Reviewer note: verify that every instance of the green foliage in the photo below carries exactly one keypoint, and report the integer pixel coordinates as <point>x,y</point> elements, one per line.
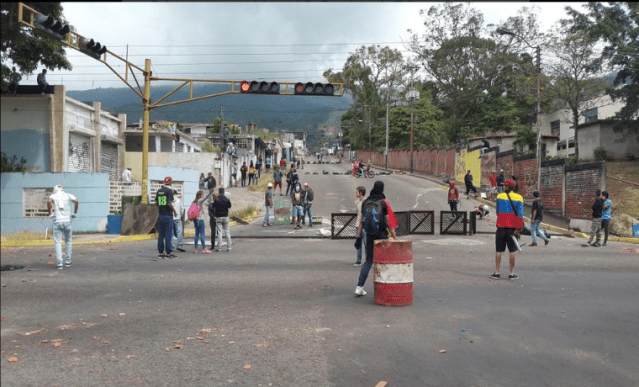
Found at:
<point>12,164</point>
<point>207,147</point>
<point>601,154</point>
<point>28,49</point>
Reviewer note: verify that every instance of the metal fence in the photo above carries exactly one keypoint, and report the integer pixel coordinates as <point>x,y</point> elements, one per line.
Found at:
<point>453,222</point>
<point>344,225</point>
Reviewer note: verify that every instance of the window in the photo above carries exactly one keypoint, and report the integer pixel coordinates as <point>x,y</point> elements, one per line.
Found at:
<point>243,143</point>
<point>571,144</point>
<point>591,114</point>
<point>555,128</point>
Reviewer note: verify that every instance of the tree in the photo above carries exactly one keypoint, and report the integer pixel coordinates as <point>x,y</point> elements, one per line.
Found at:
<point>25,48</point>
<point>12,164</point>
<point>617,26</point>
<point>574,82</point>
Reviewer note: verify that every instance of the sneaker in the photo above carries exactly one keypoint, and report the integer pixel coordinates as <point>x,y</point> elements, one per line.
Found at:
<point>533,244</point>
<point>161,255</point>
<point>310,225</point>
<point>546,242</point>
<point>171,255</point>
<point>513,277</point>
<point>68,264</point>
<point>604,244</point>
<point>596,244</point>
<point>60,267</point>
<point>495,276</point>
<point>227,250</point>
<point>264,225</point>
<point>297,228</point>
<point>181,249</point>
<point>219,250</point>
<point>195,251</point>
<point>206,251</point>
<point>360,291</point>
<point>357,264</point>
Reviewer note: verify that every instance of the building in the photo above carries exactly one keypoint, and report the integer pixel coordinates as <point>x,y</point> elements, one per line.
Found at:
<point>56,133</point>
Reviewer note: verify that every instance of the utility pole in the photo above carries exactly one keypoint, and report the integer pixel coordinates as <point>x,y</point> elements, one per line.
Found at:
<point>387,112</point>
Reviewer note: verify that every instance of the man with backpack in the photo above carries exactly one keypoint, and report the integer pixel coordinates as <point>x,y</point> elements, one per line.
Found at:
<point>296,201</point>
<point>307,202</point>
<point>535,220</point>
<point>374,223</point>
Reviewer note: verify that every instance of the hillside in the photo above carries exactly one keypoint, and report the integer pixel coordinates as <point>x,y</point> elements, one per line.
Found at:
<point>268,111</point>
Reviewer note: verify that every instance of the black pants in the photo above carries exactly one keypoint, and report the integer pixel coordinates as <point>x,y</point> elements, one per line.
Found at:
<point>453,205</point>
<point>212,225</point>
<point>289,186</point>
<point>470,187</point>
<point>604,225</point>
<point>243,179</point>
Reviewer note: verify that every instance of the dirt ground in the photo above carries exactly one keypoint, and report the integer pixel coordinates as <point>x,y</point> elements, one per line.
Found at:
<point>624,196</point>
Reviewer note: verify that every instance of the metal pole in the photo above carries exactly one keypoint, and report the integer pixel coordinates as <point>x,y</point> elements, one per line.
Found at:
<point>386,148</point>
<point>539,118</point>
<point>412,133</point>
<point>145,131</point>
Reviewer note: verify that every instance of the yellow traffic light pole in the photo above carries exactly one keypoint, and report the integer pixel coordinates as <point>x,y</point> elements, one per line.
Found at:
<point>72,39</point>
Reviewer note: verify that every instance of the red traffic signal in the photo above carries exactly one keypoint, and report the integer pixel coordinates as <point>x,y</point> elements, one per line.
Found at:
<point>91,48</point>
<point>310,88</point>
<point>255,87</point>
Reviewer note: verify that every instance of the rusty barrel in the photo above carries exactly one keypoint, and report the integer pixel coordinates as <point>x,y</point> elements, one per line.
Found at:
<point>393,272</point>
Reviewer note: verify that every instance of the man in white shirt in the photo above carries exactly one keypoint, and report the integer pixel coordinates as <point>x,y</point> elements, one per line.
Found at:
<point>60,202</point>
<point>360,194</point>
<point>126,175</point>
<point>178,223</point>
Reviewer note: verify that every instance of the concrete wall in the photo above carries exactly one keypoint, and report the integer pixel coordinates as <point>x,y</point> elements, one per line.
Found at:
<point>189,177</point>
<point>600,134</point>
<point>91,189</point>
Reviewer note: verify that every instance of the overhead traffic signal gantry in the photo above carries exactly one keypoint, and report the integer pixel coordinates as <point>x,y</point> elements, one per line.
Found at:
<point>256,87</point>
<point>51,26</point>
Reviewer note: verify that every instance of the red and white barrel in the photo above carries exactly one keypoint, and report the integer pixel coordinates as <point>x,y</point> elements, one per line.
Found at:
<point>393,272</point>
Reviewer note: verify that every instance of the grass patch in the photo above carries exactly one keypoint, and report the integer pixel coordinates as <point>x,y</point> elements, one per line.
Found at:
<point>262,183</point>
<point>26,236</point>
<point>624,196</point>
<point>244,213</point>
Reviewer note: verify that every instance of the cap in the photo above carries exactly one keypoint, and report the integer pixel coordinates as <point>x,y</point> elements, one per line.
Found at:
<point>509,183</point>
<point>536,193</point>
<point>168,180</point>
<point>501,170</point>
<point>305,184</point>
<point>129,168</point>
<point>270,185</point>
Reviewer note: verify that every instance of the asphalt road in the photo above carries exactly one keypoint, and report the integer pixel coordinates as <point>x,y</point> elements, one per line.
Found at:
<point>286,308</point>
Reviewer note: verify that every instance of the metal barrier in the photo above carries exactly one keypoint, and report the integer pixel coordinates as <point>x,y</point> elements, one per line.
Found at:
<point>472,223</point>
<point>453,222</point>
<point>422,222</point>
<point>344,225</point>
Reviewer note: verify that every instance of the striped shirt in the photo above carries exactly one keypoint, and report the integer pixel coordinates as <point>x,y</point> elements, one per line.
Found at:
<point>505,213</point>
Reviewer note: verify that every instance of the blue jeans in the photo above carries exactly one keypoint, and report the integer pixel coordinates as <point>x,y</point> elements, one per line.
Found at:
<point>534,229</point>
<point>307,211</point>
<point>165,233</point>
<point>177,233</point>
<point>370,244</point>
<point>199,232</point>
<point>267,216</point>
<point>59,229</point>
<point>359,251</point>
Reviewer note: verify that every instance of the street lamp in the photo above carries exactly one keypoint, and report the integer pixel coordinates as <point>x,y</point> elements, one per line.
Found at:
<point>411,96</point>
<point>502,31</point>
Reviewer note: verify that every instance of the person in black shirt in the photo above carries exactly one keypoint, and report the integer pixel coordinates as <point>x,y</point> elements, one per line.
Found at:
<point>164,200</point>
<point>468,180</point>
<point>536,218</point>
<point>597,213</point>
<point>222,205</point>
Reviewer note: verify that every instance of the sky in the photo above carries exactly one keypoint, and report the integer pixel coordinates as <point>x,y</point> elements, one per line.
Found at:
<point>247,41</point>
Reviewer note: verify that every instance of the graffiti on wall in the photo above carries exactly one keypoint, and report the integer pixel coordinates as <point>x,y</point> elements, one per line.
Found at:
<point>488,164</point>
<point>460,165</point>
<point>79,156</point>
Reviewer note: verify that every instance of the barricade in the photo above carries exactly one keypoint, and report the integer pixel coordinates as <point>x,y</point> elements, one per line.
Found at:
<point>393,272</point>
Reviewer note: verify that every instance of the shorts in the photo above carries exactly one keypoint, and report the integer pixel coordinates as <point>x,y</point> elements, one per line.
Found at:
<point>503,239</point>
<point>297,211</point>
<point>276,184</point>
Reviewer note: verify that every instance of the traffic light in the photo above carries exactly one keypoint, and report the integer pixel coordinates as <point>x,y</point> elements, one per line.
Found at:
<point>255,87</point>
<point>310,88</point>
<point>51,26</point>
<point>91,48</point>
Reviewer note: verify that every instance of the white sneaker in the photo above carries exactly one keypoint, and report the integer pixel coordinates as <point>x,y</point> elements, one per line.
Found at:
<point>360,291</point>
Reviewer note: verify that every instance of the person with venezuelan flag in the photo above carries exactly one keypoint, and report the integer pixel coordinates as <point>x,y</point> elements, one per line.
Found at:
<point>509,207</point>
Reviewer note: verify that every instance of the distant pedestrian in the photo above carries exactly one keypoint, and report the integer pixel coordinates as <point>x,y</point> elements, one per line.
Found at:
<point>267,163</point>
<point>482,211</point>
<point>303,162</point>
<point>536,217</point>
<point>234,174</point>
<point>493,186</point>
<point>606,215</point>
<point>212,220</point>
<point>453,196</point>
<point>374,223</point>
<point>289,183</point>
<point>297,209</point>
<point>277,178</point>
<point>360,196</point>
<point>243,172</point>
<point>222,206</point>
<point>60,203</point>
<point>251,173</point>
<point>268,204</point>
<point>164,200</point>
<point>14,80</point>
<point>500,181</point>
<point>178,223</point>
<point>595,229</point>
<point>298,163</point>
<point>307,203</point>
<point>210,182</point>
<point>202,181</point>
<point>42,81</point>
<point>258,168</point>
<point>355,166</point>
<point>509,208</point>
<point>468,180</point>
<point>283,165</point>
<point>197,216</point>
<point>126,175</point>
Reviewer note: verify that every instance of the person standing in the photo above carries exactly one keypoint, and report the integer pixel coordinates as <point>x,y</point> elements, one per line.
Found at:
<point>212,221</point>
<point>178,223</point>
<point>360,195</point>
<point>277,178</point>
<point>126,175</point>
<point>222,205</point>
<point>60,203</point>
<point>283,165</point>
<point>296,202</point>
<point>42,81</point>
<point>202,181</point>
<point>468,180</point>
<point>234,174</point>
<point>493,185</point>
<point>453,196</point>
<point>307,202</point>
<point>355,166</point>
<point>268,203</point>
<point>595,229</point>
<point>606,215</point>
<point>15,79</point>
<point>289,185</point>
<point>198,221</point>
<point>374,223</point>
<point>536,218</point>
<point>509,208</point>
<point>164,200</point>
<point>243,171</point>
<point>210,181</point>
<point>268,164</point>
<point>251,173</point>
<point>258,168</point>
<point>500,181</point>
